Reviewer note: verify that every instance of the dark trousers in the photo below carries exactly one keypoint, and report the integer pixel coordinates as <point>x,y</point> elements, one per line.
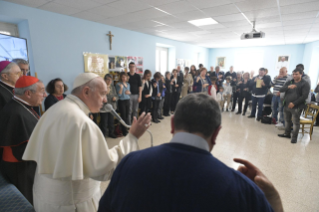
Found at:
<point>244,95</point>
<point>174,100</point>
<point>292,116</point>
<point>20,174</point>
<point>260,102</point>
<point>155,109</point>
<point>124,107</point>
<point>106,123</point>
<point>145,105</point>
<point>167,103</point>
<point>160,106</point>
<point>236,96</point>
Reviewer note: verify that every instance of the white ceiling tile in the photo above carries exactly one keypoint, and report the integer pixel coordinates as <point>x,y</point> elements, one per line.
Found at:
<point>290,2</point>
<point>266,20</point>
<point>140,24</point>
<point>167,19</point>
<point>157,2</point>
<point>58,8</point>
<point>88,16</point>
<point>236,23</point>
<point>297,27</point>
<point>221,10</point>
<point>292,33</point>
<point>298,22</point>
<point>227,18</point>
<point>201,32</point>
<point>191,15</point>
<point>272,29</point>
<point>268,25</point>
<point>256,14</point>
<point>78,4</point>
<point>148,14</point>
<point>296,16</point>
<point>30,3</point>
<point>104,1</point>
<point>163,28</point>
<point>128,5</point>
<point>201,4</point>
<point>250,5</point>
<point>177,7</point>
<point>106,11</point>
<point>298,8</point>
<point>224,30</point>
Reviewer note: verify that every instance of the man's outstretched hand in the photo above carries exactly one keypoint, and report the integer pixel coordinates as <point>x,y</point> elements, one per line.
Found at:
<point>139,126</point>
<point>253,173</point>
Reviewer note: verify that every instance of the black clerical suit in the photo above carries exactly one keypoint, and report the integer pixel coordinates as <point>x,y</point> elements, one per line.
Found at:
<point>6,94</point>
<point>168,97</point>
<point>16,125</point>
<point>145,104</point>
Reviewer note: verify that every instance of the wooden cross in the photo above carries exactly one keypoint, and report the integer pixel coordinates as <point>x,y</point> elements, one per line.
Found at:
<point>110,36</point>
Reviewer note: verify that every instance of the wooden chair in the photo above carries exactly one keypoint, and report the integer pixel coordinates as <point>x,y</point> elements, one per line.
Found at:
<point>311,112</point>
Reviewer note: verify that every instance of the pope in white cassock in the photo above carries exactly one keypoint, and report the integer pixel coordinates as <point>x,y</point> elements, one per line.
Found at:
<point>282,63</point>
<point>71,152</point>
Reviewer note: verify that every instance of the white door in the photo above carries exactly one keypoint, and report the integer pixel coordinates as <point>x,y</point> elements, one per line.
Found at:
<point>161,60</point>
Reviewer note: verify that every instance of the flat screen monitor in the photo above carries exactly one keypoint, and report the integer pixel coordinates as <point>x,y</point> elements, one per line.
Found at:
<point>13,47</point>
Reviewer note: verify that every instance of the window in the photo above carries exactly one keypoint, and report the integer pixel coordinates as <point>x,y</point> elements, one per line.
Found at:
<point>161,59</point>
<point>9,29</point>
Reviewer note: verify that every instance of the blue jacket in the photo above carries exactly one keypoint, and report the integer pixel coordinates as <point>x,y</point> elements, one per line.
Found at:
<point>198,85</point>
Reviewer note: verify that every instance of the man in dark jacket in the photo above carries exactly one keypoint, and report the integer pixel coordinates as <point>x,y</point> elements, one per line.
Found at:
<point>296,93</point>
<point>231,73</point>
<point>259,87</point>
<point>183,175</point>
<point>220,75</point>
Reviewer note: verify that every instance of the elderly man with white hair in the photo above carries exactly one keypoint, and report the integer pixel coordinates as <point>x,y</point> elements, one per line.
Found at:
<point>71,152</point>
<point>9,74</point>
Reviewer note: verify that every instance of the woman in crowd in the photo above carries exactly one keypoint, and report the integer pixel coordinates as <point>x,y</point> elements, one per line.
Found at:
<point>245,92</point>
<point>123,90</point>
<point>193,71</point>
<point>145,104</point>
<point>168,93</point>
<point>188,82</point>
<point>106,118</point>
<point>202,82</point>
<point>56,89</point>
<point>175,91</point>
<point>156,96</point>
<point>237,84</point>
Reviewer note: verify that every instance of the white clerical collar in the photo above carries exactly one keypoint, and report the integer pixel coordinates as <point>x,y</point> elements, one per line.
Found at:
<point>7,84</point>
<point>80,103</point>
<point>190,140</point>
<point>21,100</point>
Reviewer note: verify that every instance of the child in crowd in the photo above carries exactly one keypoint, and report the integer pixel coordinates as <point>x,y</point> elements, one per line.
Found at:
<point>227,92</point>
<point>212,89</point>
<point>220,98</point>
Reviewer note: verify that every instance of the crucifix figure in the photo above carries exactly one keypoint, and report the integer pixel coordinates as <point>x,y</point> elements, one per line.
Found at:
<point>110,36</point>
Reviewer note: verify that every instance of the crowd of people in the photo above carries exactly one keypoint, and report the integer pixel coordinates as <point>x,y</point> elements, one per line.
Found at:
<point>56,161</point>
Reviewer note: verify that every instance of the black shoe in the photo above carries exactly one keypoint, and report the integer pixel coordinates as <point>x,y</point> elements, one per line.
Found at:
<point>112,136</point>
<point>244,113</point>
<point>232,110</point>
<point>238,113</point>
<point>250,116</point>
<point>294,140</point>
<point>161,117</point>
<point>284,136</point>
<point>259,118</point>
<point>156,121</point>
<point>167,115</point>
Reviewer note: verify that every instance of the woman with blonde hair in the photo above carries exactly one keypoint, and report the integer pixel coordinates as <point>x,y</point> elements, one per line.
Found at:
<point>245,92</point>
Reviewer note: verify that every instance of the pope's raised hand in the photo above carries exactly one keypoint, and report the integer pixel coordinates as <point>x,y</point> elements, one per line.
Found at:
<point>139,126</point>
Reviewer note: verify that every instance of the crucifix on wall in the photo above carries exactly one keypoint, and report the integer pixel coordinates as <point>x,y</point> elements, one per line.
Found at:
<point>110,36</point>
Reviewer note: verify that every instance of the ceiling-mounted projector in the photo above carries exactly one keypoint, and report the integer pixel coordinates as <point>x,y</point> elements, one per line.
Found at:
<point>253,34</point>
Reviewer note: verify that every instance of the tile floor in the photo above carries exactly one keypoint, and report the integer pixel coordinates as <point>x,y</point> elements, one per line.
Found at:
<point>293,168</point>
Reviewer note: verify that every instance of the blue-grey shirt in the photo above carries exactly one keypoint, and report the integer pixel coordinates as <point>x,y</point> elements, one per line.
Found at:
<point>123,96</point>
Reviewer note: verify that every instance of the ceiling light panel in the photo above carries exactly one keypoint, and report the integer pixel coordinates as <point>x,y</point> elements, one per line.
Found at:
<point>203,22</point>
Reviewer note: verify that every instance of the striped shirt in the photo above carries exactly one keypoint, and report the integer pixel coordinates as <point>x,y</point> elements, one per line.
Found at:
<point>278,83</point>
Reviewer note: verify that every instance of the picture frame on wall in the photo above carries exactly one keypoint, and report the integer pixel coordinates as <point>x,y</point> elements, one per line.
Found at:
<point>282,61</point>
<point>221,61</point>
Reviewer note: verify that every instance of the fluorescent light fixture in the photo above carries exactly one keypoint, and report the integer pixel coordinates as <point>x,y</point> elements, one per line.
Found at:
<point>203,22</point>
<point>162,11</point>
<point>247,19</point>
